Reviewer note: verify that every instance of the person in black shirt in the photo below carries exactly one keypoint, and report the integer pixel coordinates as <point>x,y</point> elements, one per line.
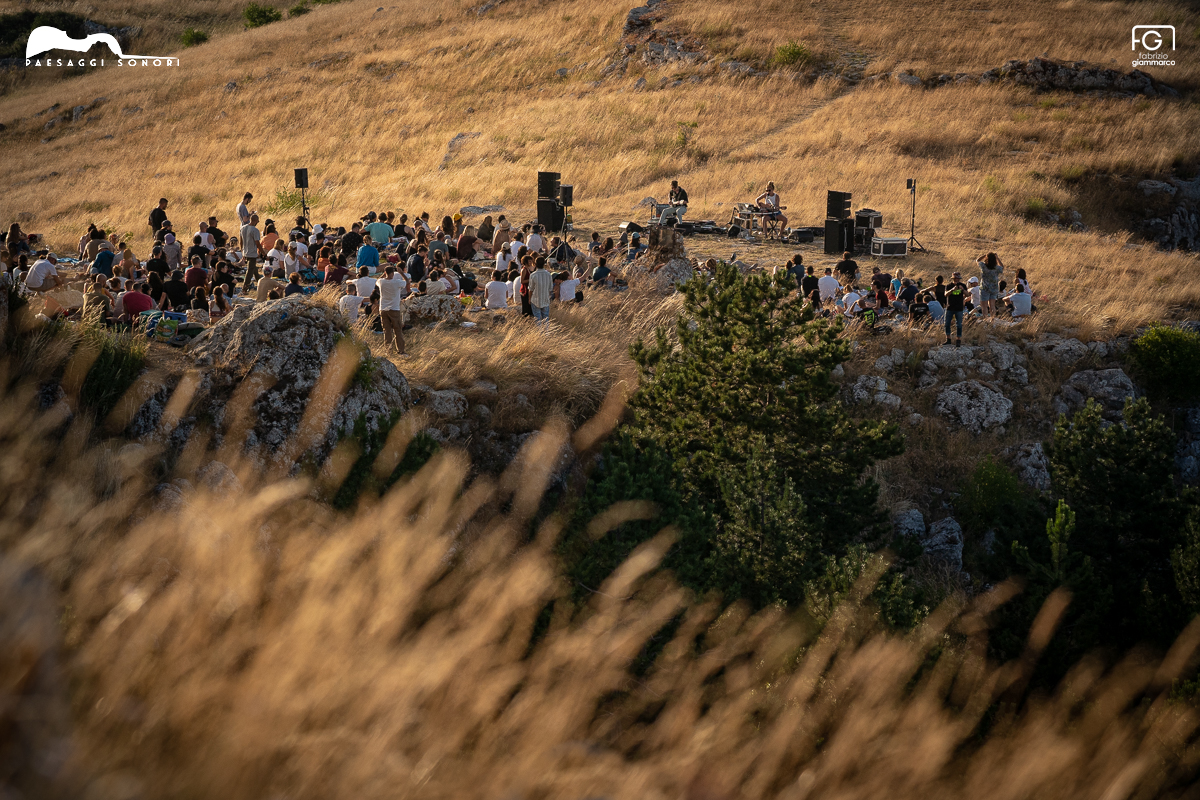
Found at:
<point>415,266</point>
<point>908,293</point>
<point>198,249</point>
<point>918,310</point>
<point>301,230</point>
<point>293,286</point>
<point>809,284</point>
<point>158,263</point>
<point>677,199</point>
<point>353,240</point>
<point>177,292</point>
<point>956,295</point>
<point>223,277</point>
<point>161,235</point>
<point>157,217</point>
<point>939,290</point>
<point>847,267</point>
<point>220,238</point>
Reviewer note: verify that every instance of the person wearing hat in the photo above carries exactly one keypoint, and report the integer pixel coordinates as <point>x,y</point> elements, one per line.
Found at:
<point>172,251</point>
<point>956,301</point>
<point>43,275</point>
<point>974,290</point>
<point>504,258</point>
<point>458,224</point>
<point>503,234</point>
<point>161,235</point>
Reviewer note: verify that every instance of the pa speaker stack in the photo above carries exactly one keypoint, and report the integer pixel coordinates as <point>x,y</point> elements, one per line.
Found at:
<point>552,197</point>
<point>548,183</point>
<point>839,225</point>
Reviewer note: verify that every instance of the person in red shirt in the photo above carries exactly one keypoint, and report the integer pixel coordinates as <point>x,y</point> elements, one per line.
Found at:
<point>136,301</point>
<point>196,275</point>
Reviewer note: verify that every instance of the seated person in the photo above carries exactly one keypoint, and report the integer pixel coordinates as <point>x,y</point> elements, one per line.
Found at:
<point>636,248</point>
<point>176,293</point>
<point>97,303</point>
<point>568,288</point>
<point>497,292</point>
<point>43,276</point>
<point>293,286</point>
<point>918,309</point>
<point>937,309</point>
<point>602,274</point>
<point>850,300</point>
<point>1020,301</point>
<point>768,202</point>
<point>847,267</point>
<point>906,295</point>
<point>267,284</point>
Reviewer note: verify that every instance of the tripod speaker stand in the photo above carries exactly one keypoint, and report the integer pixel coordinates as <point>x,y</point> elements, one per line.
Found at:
<point>913,244</point>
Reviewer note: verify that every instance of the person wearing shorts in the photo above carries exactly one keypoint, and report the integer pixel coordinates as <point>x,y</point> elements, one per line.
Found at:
<point>768,201</point>
<point>990,269</point>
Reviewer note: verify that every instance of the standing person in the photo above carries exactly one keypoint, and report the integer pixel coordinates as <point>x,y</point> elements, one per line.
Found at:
<point>956,298</point>
<point>768,201</point>
<point>990,268</point>
<point>243,210</point>
<point>541,284</point>
<point>391,290</point>
<point>521,287</point>
<point>252,242</point>
<point>157,217</point>
<point>677,202</point>
<point>939,290</point>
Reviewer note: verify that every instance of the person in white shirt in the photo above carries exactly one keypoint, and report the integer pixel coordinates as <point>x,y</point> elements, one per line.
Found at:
<point>365,283</point>
<point>43,277</point>
<point>350,303</point>
<point>391,290</point>
<point>291,262</point>
<point>318,228</point>
<point>851,299</point>
<point>1021,302</point>
<point>206,238</point>
<point>504,258</point>
<point>497,292</point>
<point>973,288</point>
<point>828,285</point>
<point>301,248</point>
<point>567,288</point>
<point>535,242</point>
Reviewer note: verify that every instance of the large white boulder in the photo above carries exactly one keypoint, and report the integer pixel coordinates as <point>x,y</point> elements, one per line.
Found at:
<point>974,406</point>
<point>944,542</point>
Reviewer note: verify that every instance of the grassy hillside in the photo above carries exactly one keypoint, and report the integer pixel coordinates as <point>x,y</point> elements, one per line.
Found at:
<point>369,99</point>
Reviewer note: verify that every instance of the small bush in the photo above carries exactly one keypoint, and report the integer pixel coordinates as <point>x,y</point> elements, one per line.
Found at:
<point>120,358</point>
<point>1167,361</point>
<point>1035,207</point>
<point>1073,173</point>
<point>995,499</point>
<point>288,199</point>
<point>992,184</point>
<point>791,54</point>
<point>192,37</point>
<point>258,15</point>
<point>299,9</point>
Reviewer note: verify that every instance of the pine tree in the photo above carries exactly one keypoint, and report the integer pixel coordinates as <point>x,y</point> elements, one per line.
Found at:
<point>737,418</point>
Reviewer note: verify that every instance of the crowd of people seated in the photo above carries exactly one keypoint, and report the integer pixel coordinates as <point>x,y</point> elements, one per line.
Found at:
<point>382,259</point>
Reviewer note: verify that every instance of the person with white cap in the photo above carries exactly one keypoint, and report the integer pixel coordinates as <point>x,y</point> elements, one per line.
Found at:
<point>974,290</point>
<point>504,257</point>
<point>43,276</point>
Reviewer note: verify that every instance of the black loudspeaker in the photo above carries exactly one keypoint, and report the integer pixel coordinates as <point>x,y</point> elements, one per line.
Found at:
<point>833,237</point>
<point>868,218</point>
<point>734,231</point>
<point>548,184</point>
<point>630,227</point>
<point>550,214</point>
<point>566,193</point>
<point>837,205</point>
<point>302,179</point>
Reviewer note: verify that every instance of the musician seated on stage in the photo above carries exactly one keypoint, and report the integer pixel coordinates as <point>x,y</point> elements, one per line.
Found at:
<point>768,202</point>
<point>677,202</point>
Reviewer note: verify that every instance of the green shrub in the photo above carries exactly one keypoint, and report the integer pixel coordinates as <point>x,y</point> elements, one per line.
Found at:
<point>1167,361</point>
<point>1035,207</point>
<point>258,15</point>
<point>120,358</point>
<point>362,478</point>
<point>995,499</point>
<point>192,37</point>
<point>1073,173</point>
<point>287,199</point>
<point>791,54</point>
<point>299,9</point>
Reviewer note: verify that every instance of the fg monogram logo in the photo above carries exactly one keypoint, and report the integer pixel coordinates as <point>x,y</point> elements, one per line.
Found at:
<point>1150,42</point>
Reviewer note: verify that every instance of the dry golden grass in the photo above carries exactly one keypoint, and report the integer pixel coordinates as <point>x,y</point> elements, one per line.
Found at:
<point>371,118</point>
<point>251,644</point>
